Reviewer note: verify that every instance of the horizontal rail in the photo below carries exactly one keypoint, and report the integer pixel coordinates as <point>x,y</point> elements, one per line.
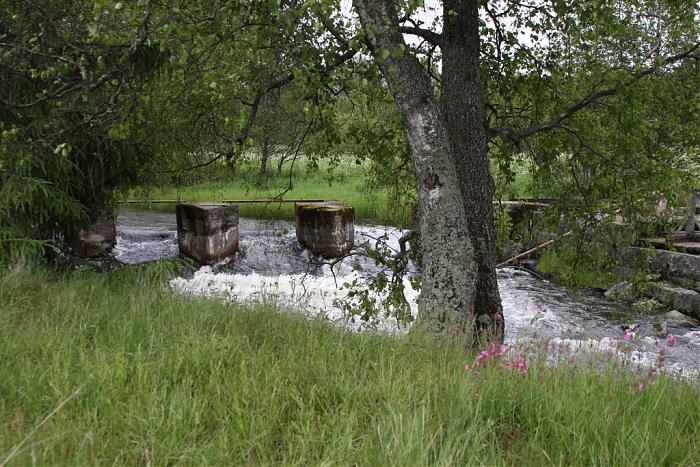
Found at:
<point>228,201</point>
<point>522,203</point>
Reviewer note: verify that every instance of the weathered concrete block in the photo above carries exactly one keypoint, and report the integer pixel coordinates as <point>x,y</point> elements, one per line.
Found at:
<point>99,239</point>
<point>327,229</point>
<point>207,232</point>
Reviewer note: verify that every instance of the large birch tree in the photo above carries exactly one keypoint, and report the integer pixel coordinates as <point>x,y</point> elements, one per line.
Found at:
<point>448,130</point>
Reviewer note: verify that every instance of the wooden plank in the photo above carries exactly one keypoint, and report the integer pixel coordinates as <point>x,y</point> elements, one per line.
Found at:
<point>522,203</point>
<point>531,250</point>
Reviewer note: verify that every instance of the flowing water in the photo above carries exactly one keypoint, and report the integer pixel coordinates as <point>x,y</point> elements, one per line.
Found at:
<point>272,266</point>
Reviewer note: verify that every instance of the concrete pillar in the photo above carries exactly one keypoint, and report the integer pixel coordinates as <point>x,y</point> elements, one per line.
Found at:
<point>99,239</point>
<point>207,233</point>
<point>327,228</point>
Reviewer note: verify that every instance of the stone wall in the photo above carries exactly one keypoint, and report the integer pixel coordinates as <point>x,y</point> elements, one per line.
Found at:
<point>680,268</point>
<point>681,279</point>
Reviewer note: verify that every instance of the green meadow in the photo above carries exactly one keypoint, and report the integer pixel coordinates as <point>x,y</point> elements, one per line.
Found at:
<point>116,369</point>
<point>344,181</point>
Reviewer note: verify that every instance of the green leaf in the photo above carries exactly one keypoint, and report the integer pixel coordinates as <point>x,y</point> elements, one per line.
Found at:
<point>382,54</point>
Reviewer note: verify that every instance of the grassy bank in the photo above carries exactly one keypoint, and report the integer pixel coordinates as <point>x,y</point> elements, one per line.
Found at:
<point>166,379</point>
<point>344,181</point>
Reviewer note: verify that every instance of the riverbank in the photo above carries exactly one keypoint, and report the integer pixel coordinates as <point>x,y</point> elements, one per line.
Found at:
<point>165,378</point>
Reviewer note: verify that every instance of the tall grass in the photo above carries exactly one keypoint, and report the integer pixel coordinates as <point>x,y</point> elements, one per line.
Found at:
<point>343,181</point>
<point>168,379</point>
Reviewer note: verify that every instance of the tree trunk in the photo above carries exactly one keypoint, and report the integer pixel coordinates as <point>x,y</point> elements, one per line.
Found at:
<point>264,157</point>
<point>463,111</point>
<point>447,299</point>
<point>231,162</point>
<point>280,163</point>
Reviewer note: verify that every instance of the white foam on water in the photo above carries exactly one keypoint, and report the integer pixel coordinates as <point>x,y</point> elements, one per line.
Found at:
<point>312,296</point>
<point>319,296</point>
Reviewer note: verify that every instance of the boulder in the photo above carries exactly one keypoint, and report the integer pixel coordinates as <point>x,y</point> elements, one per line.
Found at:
<point>672,264</point>
<point>326,228</point>
<point>622,291</point>
<point>99,239</point>
<point>680,268</point>
<point>674,296</point>
<point>676,318</point>
<point>684,282</point>
<point>207,232</point>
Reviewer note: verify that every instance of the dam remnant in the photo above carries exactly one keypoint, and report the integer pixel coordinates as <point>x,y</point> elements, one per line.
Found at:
<point>326,228</point>
<point>99,239</point>
<point>207,232</point>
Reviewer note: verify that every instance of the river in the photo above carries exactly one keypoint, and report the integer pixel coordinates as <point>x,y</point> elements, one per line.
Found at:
<point>272,266</point>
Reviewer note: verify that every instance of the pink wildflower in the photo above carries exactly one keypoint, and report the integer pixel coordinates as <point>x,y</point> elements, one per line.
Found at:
<point>521,365</point>
<point>640,386</point>
<point>499,317</point>
<point>483,356</point>
<point>629,334</point>
<point>501,350</point>
<point>671,340</point>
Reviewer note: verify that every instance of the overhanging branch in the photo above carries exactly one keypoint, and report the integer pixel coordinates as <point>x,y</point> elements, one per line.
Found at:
<point>516,136</point>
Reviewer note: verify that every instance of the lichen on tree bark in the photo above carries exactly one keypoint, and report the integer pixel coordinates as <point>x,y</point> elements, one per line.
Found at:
<point>452,274</point>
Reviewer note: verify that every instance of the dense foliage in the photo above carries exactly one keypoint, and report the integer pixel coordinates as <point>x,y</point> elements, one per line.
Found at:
<point>74,116</point>
<point>595,102</point>
<point>611,88</point>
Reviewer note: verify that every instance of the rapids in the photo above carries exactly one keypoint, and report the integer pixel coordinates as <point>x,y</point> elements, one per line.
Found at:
<point>272,266</point>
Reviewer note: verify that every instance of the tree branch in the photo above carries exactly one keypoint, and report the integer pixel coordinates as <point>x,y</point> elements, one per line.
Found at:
<point>516,136</point>
<point>429,36</point>
<point>334,31</point>
<point>243,135</point>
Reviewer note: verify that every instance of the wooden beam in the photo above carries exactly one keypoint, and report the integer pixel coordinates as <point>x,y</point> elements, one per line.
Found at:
<point>531,250</point>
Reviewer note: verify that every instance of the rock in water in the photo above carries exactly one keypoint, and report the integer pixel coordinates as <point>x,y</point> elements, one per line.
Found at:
<point>327,228</point>
<point>207,233</point>
<point>660,329</point>
<point>676,318</point>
